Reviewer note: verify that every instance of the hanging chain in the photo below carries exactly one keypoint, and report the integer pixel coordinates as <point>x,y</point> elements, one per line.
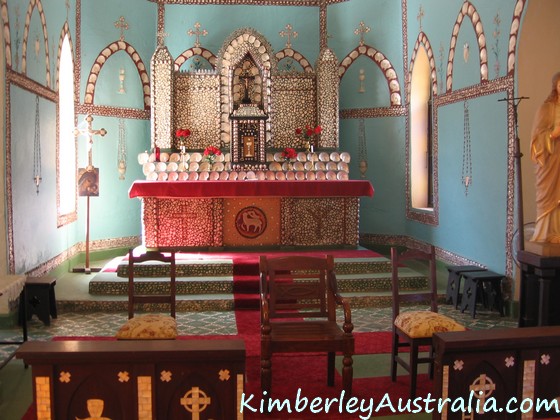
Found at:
<point>467,158</point>
<point>362,148</point>
<point>121,150</point>
<point>37,147</point>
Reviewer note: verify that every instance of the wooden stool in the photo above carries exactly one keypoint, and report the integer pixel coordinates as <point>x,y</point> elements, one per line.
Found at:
<point>486,284</point>
<point>454,281</point>
<point>41,299</point>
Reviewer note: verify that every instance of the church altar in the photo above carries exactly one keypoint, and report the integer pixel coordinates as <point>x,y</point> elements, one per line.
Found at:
<point>215,214</point>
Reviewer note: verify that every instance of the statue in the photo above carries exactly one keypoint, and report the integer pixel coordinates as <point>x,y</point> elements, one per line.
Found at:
<point>545,152</point>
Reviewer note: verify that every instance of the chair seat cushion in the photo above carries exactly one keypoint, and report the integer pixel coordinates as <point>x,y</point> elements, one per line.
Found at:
<point>149,327</point>
<point>418,324</point>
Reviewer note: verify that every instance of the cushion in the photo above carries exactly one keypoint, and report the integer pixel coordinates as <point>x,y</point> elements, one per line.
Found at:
<point>149,327</point>
<point>418,324</point>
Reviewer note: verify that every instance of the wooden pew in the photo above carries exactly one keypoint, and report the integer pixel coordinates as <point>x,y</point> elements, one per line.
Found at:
<point>136,379</point>
<point>498,365</point>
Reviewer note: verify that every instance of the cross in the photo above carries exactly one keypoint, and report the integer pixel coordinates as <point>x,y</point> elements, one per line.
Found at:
<point>361,30</point>
<point>122,25</point>
<point>420,16</point>
<point>67,5</point>
<point>246,76</point>
<point>90,133</point>
<point>195,401</point>
<point>482,387</point>
<point>197,32</point>
<point>289,33</point>
<point>161,35</point>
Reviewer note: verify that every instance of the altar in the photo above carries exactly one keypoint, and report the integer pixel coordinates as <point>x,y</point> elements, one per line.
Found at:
<point>250,213</point>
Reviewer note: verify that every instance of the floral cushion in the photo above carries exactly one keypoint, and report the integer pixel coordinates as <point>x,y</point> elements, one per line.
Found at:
<point>149,327</point>
<point>418,324</point>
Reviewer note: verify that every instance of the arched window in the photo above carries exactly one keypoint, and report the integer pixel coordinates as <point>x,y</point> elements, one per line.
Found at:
<point>421,171</point>
<point>66,151</point>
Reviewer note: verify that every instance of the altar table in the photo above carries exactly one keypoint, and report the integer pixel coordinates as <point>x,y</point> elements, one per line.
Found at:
<point>210,214</point>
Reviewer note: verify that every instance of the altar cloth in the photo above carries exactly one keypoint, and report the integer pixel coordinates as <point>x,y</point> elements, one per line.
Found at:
<point>256,188</point>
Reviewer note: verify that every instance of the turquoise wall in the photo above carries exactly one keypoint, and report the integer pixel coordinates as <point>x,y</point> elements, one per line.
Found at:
<point>471,225</point>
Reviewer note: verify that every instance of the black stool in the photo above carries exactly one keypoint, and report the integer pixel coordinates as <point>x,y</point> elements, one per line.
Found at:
<point>486,284</point>
<point>454,281</point>
<point>40,298</point>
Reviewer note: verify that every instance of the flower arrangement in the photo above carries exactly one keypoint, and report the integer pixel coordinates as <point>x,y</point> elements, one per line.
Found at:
<point>289,153</point>
<point>211,152</point>
<point>182,134</point>
<point>308,135</point>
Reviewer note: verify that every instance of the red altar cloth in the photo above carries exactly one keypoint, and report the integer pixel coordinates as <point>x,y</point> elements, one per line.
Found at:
<point>260,188</point>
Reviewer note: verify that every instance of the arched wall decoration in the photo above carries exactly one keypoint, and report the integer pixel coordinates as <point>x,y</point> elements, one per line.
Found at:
<point>297,57</point>
<point>6,29</point>
<point>191,52</point>
<point>39,5</point>
<point>382,62</point>
<point>514,31</point>
<point>242,42</point>
<point>102,59</point>
<point>423,41</point>
<point>468,10</point>
<point>65,31</point>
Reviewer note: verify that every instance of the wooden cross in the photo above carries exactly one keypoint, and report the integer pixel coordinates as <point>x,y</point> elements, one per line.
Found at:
<point>246,76</point>
<point>197,33</point>
<point>361,30</point>
<point>420,16</point>
<point>289,33</point>
<point>122,25</point>
<point>161,35</point>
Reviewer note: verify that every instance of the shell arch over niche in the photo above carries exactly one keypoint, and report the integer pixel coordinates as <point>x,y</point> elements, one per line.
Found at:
<point>241,43</point>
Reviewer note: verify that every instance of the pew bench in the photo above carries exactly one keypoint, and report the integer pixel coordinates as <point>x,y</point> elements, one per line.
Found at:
<point>144,379</point>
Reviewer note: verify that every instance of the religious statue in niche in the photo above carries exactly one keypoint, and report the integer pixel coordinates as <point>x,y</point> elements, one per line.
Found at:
<point>247,83</point>
<point>545,152</point>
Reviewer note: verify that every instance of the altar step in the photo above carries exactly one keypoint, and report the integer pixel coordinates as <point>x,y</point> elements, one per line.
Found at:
<point>218,285</point>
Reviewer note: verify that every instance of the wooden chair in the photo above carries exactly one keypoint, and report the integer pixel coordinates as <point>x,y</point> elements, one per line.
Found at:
<point>135,298</point>
<point>150,326</point>
<point>298,314</point>
<point>414,328</point>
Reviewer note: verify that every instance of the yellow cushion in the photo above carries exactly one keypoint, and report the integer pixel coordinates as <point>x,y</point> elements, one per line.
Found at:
<point>418,324</point>
<point>149,327</point>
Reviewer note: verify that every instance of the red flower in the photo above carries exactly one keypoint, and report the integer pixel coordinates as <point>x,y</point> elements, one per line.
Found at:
<point>212,151</point>
<point>183,132</point>
<point>309,131</point>
<point>289,153</point>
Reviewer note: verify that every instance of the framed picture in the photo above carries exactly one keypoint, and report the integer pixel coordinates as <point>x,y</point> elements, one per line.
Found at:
<point>88,182</point>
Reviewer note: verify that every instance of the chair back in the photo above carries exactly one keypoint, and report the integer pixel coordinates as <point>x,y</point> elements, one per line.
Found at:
<point>422,296</point>
<point>134,297</point>
<point>298,286</point>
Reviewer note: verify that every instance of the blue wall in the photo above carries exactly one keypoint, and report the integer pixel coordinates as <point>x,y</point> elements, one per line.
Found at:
<point>471,225</point>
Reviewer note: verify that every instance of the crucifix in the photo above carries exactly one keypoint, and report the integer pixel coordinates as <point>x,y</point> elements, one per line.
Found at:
<point>289,33</point>
<point>361,30</point>
<point>246,76</point>
<point>89,176</point>
<point>197,32</point>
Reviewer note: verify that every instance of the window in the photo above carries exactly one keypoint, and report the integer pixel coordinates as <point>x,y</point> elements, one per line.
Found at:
<point>421,193</point>
<point>66,153</point>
